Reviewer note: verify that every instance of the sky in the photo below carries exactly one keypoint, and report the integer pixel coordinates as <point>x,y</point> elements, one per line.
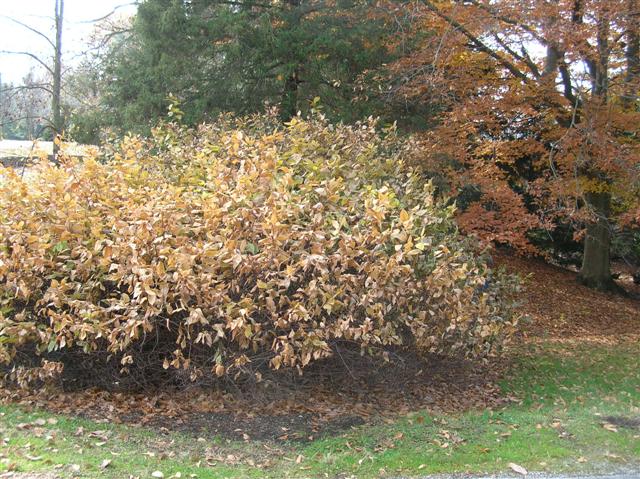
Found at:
<point>39,15</point>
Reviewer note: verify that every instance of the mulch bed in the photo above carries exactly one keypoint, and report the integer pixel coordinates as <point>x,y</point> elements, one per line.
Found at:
<point>626,422</point>
<point>326,401</point>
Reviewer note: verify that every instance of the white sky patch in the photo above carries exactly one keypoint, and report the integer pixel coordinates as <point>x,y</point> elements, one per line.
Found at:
<point>39,15</point>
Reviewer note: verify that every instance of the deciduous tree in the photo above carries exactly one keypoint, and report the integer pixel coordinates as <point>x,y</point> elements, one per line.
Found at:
<point>541,115</point>
<point>25,108</point>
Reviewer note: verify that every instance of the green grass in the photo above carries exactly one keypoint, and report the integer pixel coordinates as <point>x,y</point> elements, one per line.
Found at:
<point>561,399</point>
<point>557,424</point>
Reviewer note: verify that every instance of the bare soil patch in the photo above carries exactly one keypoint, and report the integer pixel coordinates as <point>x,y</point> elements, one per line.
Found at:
<point>626,422</point>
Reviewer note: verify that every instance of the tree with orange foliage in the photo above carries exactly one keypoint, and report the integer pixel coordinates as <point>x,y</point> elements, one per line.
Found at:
<point>541,119</point>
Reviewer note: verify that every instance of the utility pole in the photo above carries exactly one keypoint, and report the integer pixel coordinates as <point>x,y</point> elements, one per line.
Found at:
<point>1,108</point>
<point>57,81</point>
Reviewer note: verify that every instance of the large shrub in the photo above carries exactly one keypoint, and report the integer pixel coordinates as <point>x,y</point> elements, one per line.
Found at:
<point>237,245</point>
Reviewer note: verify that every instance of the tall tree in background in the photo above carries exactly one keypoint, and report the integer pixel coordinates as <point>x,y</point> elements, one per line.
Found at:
<point>219,56</point>
<point>85,83</point>
<point>541,120</point>
<point>24,108</point>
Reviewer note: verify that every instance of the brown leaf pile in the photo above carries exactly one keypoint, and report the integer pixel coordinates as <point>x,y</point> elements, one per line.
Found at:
<point>561,309</point>
<point>286,410</point>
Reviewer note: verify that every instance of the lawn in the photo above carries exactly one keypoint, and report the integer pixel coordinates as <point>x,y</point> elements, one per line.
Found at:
<point>574,407</point>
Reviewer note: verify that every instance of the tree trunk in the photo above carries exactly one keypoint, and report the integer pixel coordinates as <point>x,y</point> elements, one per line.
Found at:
<point>632,55</point>
<point>596,270</point>
<point>57,81</point>
<point>289,106</point>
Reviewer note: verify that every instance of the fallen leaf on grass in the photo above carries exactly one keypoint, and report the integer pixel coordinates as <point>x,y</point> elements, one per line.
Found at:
<point>157,474</point>
<point>609,427</point>
<point>517,468</point>
<point>102,435</point>
<point>105,463</point>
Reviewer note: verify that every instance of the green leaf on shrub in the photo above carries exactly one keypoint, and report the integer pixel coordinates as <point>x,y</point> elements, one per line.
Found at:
<point>251,248</point>
<point>60,247</point>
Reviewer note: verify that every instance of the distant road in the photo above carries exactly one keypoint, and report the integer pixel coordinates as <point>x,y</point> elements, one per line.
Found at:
<point>24,149</point>
<point>27,149</point>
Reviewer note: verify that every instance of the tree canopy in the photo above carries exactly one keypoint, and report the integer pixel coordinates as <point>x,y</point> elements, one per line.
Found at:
<point>540,119</point>
<point>218,56</point>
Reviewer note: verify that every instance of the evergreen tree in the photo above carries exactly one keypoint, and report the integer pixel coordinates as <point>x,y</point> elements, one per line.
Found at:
<point>223,55</point>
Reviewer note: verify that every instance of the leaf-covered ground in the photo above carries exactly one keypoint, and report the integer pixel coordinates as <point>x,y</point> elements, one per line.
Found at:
<point>566,397</point>
<point>561,310</point>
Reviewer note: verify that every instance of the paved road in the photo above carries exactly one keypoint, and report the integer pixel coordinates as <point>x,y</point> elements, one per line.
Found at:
<point>626,475</point>
<point>25,475</point>
<point>621,475</point>
<point>16,149</point>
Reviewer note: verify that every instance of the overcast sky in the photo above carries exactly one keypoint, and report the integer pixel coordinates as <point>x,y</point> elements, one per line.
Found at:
<point>39,15</point>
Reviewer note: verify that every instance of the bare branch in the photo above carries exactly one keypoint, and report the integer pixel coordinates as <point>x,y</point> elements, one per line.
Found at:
<point>26,87</point>
<point>479,44</point>
<point>526,59</point>
<point>115,9</point>
<point>29,54</point>
<point>16,120</point>
<point>30,28</point>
